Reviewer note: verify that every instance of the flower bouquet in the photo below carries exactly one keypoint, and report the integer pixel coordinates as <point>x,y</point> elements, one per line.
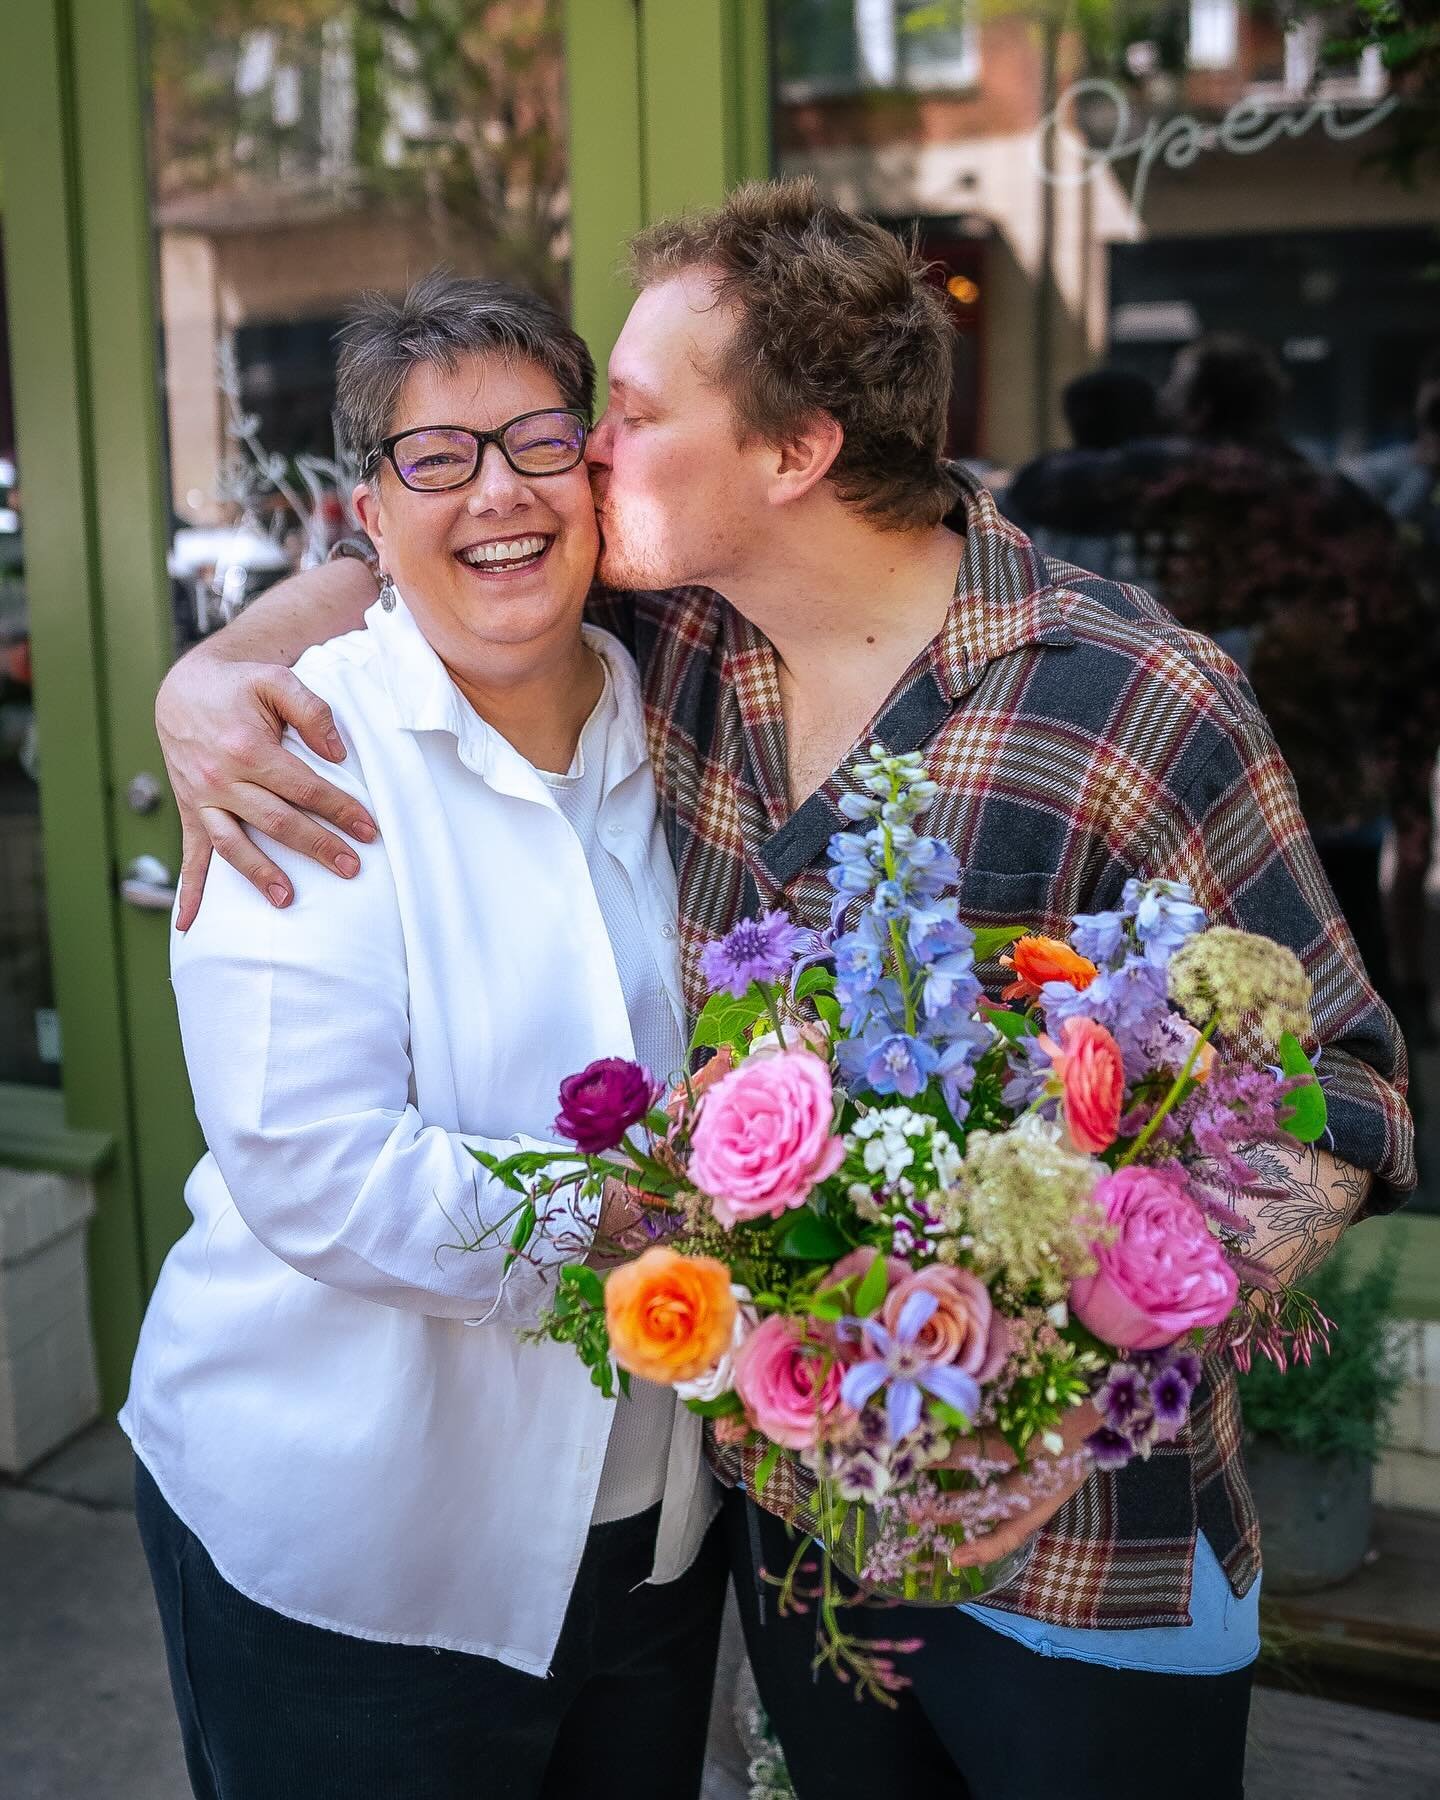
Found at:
<point>891,1233</point>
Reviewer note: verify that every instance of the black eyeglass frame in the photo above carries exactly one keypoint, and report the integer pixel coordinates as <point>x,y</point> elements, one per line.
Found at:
<point>384,451</point>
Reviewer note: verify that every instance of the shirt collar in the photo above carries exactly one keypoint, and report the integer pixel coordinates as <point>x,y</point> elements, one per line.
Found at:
<point>425,698</point>
<point>1004,597</point>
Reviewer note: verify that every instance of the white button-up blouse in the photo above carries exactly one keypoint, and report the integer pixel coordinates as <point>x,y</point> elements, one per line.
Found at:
<point>312,1392</point>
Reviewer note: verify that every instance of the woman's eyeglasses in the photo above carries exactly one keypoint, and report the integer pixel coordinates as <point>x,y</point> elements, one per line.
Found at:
<point>432,458</point>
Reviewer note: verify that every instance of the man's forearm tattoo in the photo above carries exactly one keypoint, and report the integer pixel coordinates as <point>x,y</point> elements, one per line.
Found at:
<point>1311,1199</point>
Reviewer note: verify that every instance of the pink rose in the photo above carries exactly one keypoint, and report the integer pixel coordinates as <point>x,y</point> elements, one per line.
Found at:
<point>963,1330</point>
<point>1163,1274</point>
<point>763,1137</point>
<point>790,1383</point>
<point>1091,1072</point>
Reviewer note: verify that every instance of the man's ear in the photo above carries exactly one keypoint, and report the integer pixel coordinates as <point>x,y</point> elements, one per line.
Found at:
<point>367,507</point>
<point>803,460</point>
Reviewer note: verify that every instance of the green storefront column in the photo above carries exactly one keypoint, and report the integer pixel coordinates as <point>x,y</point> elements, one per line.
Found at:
<point>669,108</point>
<point>46,282</point>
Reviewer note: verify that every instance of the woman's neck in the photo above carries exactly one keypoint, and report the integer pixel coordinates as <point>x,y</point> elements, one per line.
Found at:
<point>540,710</point>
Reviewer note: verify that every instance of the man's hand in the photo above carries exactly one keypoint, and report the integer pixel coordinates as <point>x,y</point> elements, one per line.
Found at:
<point>220,725</point>
<point>1011,1533</point>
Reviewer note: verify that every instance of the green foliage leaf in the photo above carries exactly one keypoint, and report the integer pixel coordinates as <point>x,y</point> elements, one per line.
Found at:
<point>725,1020</point>
<point>990,940</point>
<point>1337,1405</point>
<point>586,1280</point>
<point>1306,1113</point>
<point>872,1288</point>
<point>1010,1024</point>
<point>726,1407</point>
<point>814,981</point>
<point>766,1469</point>
<point>827,1011</point>
<point>812,1238</point>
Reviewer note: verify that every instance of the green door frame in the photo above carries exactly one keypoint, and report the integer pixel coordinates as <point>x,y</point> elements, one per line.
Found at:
<point>669,108</point>
<point>669,105</point>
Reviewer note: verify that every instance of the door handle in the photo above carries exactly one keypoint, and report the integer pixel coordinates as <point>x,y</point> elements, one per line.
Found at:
<point>148,884</point>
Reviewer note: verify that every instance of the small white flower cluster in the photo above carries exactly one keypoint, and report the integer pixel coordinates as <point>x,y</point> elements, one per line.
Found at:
<point>887,1140</point>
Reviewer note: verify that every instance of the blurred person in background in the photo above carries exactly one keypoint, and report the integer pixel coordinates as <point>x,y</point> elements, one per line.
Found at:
<point>1080,504</point>
<point>1302,576</point>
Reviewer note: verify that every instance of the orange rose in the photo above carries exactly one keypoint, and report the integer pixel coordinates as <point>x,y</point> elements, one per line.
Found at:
<point>670,1316</point>
<point>1037,960</point>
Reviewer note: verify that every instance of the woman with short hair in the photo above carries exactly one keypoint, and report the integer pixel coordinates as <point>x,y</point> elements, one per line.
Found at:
<point>398,1551</point>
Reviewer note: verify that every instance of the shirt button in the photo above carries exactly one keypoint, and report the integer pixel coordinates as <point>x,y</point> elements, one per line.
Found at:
<point>667,931</point>
<point>615,830</point>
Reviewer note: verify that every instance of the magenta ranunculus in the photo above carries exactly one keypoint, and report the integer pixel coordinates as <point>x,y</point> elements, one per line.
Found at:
<point>764,1136</point>
<point>600,1104</point>
<point>1163,1274</point>
<point>789,1383</point>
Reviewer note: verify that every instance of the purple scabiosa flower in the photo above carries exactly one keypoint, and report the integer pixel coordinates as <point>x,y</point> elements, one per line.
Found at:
<point>1169,1399</point>
<point>1108,1449</point>
<point>754,950</point>
<point>600,1104</point>
<point>893,1362</point>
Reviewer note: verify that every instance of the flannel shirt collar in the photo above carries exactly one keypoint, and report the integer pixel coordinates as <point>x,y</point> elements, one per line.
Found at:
<point>1004,601</point>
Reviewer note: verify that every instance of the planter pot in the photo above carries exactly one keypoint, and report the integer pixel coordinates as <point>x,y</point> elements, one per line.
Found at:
<point>1314,1516</point>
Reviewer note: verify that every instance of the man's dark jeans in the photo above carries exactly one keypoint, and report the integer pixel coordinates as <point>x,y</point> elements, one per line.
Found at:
<point>272,1709</point>
<point>986,1718</point>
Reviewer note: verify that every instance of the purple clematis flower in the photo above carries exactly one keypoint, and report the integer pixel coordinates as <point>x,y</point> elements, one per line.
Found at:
<point>893,1362</point>
<point>754,950</point>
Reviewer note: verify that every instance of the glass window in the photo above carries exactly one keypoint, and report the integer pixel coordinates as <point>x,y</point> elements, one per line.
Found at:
<point>309,152</point>
<point>1227,210</point>
<point>839,46</point>
<point>1214,33</point>
<point>29,1026</point>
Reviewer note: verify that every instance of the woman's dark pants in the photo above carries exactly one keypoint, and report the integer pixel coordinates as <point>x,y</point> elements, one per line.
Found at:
<point>271,1709</point>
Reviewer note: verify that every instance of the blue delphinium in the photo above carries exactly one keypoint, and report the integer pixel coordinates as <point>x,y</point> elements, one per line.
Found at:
<point>1165,915</point>
<point>905,975</point>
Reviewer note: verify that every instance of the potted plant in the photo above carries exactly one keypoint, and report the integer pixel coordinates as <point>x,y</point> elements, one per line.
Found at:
<point>1313,1432</point>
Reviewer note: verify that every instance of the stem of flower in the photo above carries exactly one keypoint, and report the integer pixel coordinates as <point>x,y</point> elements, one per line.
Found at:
<point>772,1007</point>
<point>1168,1103</point>
<point>897,939</point>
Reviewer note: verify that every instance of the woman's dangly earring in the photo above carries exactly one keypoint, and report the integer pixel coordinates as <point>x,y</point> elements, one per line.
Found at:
<point>388,596</point>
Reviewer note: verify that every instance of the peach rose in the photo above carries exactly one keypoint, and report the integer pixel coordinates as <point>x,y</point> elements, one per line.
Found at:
<point>964,1328</point>
<point>1091,1071</point>
<point>1037,960</point>
<point>669,1316</point>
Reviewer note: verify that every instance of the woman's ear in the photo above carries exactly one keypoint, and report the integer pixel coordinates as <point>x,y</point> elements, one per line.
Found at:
<point>367,507</point>
<point>803,461</point>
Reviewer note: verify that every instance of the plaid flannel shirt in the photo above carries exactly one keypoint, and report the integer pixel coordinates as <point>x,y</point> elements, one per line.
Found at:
<point>1078,736</point>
